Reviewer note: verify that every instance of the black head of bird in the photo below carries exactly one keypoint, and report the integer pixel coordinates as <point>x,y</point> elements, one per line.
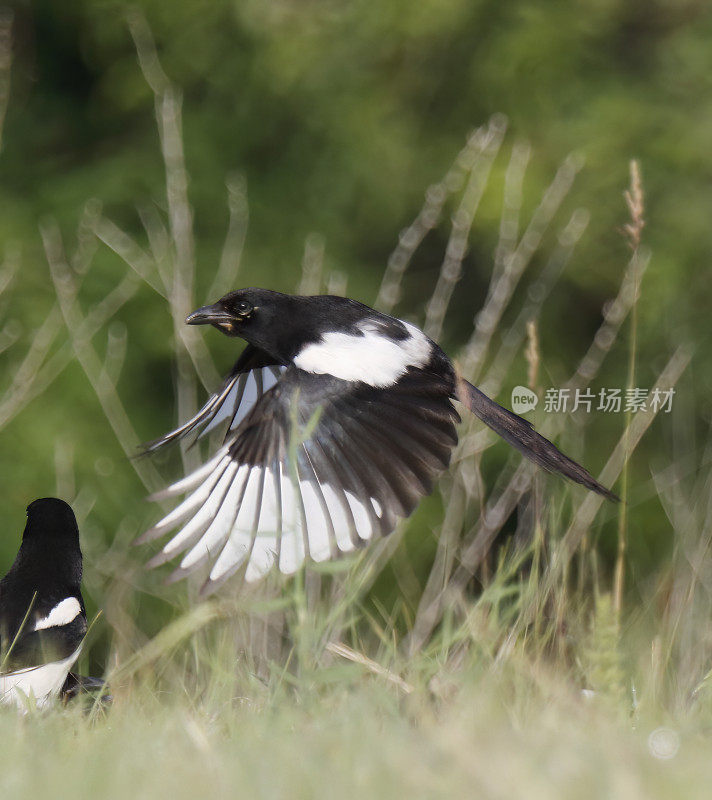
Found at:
<point>261,317</point>
<point>50,544</point>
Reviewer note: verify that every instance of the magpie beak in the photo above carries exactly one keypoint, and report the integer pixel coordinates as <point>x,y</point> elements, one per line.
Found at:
<point>210,315</point>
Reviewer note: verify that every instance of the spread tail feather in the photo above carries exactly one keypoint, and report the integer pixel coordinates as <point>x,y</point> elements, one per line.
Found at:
<point>520,434</point>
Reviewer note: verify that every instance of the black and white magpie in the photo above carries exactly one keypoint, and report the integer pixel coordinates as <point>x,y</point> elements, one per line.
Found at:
<point>42,617</point>
<point>339,419</point>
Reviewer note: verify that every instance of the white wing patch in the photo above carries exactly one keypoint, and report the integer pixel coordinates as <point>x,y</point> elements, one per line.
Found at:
<point>372,358</point>
<point>62,614</point>
<point>43,682</point>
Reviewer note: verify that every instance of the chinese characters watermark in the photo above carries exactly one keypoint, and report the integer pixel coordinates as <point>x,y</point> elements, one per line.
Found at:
<point>607,401</point>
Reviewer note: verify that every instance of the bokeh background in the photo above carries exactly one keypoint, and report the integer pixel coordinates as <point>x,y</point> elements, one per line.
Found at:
<point>326,122</point>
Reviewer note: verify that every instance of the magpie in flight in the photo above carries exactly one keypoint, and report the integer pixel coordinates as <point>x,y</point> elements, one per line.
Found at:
<point>338,420</point>
<point>42,616</point>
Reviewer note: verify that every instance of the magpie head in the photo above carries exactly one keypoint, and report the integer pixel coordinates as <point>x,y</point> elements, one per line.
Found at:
<point>49,516</point>
<point>237,313</point>
<point>269,320</point>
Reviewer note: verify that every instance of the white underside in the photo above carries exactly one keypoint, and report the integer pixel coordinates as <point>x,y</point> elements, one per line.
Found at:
<point>372,358</point>
<point>42,683</point>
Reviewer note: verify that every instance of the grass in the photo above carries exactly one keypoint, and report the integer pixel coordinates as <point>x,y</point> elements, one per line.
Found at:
<point>480,724</point>
<point>510,665</point>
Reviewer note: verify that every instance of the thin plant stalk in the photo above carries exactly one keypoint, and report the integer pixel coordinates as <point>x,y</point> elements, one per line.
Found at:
<point>635,201</point>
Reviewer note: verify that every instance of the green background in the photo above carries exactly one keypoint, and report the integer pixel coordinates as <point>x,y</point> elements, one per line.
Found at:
<point>339,116</point>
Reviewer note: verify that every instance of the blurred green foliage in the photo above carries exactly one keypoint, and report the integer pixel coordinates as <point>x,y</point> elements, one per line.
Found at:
<point>339,115</point>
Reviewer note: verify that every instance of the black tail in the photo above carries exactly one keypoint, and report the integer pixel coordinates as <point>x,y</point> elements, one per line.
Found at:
<point>520,434</point>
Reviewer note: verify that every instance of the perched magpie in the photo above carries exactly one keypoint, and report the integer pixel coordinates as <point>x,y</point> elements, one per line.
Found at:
<point>42,616</point>
<point>339,419</point>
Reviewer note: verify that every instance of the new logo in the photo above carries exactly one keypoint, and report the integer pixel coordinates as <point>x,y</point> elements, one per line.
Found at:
<point>523,400</point>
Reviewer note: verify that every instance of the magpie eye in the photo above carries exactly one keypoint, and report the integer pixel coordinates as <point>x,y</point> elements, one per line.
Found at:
<point>243,308</point>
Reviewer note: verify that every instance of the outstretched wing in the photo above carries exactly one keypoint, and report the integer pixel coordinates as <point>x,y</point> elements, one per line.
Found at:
<point>318,467</point>
<point>253,374</point>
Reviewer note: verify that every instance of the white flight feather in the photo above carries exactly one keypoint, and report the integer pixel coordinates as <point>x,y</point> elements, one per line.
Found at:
<point>270,511</point>
<point>197,498</point>
<point>317,524</point>
<point>235,548</point>
<point>194,478</point>
<point>291,555</point>
<point>291,551</point>
<point>233,553</point>
<point>340,518</point>
<point>205,513</point>
<point>250,502</point>
<point>362,518</point>
<point>291,505</point>
<point>238,545</point>
<point>220,527</point>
